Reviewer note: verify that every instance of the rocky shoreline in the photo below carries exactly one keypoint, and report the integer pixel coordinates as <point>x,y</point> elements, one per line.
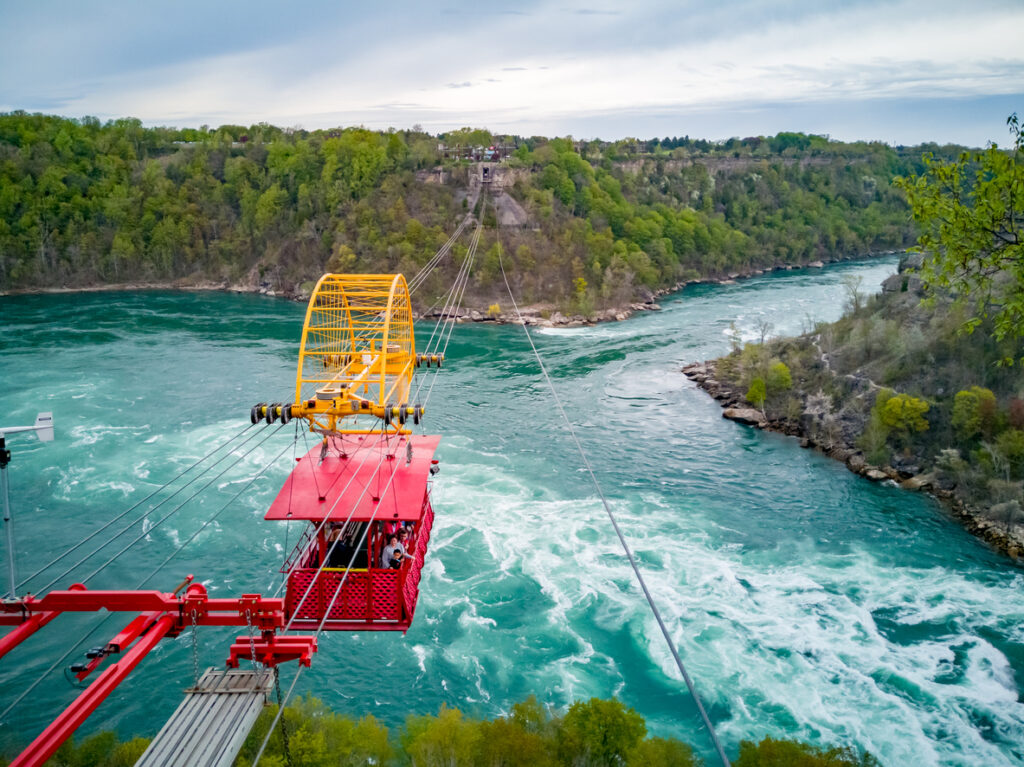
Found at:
<point>538,315</point>
<point>735,408</point>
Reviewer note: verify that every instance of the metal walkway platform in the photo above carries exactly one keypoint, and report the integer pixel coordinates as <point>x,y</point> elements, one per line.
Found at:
<point>210,725</point>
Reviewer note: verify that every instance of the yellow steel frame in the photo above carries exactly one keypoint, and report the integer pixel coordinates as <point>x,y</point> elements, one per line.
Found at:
<point>358,352</point>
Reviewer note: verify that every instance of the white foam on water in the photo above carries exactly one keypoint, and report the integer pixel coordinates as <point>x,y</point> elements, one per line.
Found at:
<point>586,331</point>
<point>422,652</point>
<point>790,646</point>
<point>124,488</point>
<point>93,433</point>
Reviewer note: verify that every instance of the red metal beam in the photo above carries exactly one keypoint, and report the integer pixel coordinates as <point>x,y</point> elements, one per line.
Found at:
<point>140,625</point>
<point>47,743</point>
<point>35,622</point>
<point>264,613</point>
<point>312,624</point>
<point>274,649</point>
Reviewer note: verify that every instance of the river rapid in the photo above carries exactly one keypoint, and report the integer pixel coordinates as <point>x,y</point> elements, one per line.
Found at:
<point>806,602</point>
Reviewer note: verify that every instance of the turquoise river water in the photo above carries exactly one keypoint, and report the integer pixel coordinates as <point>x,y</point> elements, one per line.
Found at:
<point>806,601</point>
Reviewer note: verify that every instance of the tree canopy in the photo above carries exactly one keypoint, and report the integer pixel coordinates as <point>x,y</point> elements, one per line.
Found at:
<point>971,211</point>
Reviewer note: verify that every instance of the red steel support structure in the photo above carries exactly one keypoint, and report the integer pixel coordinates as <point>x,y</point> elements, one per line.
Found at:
<point>160,615</point>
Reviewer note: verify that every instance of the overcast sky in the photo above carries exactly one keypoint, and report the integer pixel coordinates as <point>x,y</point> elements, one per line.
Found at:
<point>902,72</point>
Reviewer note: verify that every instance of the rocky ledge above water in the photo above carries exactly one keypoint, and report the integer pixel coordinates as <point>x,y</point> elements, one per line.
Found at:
<point>841,447</point>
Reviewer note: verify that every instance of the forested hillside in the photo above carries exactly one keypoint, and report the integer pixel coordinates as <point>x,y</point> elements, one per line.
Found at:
<point>84,203</point>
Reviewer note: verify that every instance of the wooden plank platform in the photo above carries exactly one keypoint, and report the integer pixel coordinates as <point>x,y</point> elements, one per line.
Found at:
<point>210,725</point>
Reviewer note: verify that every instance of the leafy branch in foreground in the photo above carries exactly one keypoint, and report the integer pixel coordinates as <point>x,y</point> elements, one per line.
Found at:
<point>971,211</point>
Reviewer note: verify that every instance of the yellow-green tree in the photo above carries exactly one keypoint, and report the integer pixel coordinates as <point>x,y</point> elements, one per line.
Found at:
<point>904,414</point>
<point>975,413</point>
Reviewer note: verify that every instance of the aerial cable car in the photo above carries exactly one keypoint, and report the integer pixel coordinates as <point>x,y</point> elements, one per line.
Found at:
<point>369,477</point>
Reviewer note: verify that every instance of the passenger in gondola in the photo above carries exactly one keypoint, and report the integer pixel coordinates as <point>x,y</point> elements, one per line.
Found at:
<point>339,546</point>
<point>393,554</point>
<point>405,538</point>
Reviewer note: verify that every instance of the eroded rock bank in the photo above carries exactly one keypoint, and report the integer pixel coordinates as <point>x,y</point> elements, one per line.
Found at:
<point>840,444</point>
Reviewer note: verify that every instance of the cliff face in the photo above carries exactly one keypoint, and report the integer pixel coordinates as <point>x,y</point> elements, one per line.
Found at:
<point>897,392</point>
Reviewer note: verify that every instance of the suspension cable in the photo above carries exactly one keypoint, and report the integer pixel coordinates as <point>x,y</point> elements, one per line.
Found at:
<point>470,258</point>
<point>421,276</point>
<point>167,516</point>
<point>212,519</point>
<point>146,514</point>
<point>453,297</point>
<point>618,532</point>
<point>139,585</point>
<point>131,508</point>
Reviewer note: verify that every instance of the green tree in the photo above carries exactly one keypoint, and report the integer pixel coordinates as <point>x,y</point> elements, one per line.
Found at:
<point>975,413</point>
<point>445,740</point>
<point>757,393</point>
<point>662,752</point>
<point>507,743</point>
<point>269,208</point>
<point>790,753</point>
<point>778,379</point>
<point>971,211</point>
<point>1010,445</point>
<point>599,733</point>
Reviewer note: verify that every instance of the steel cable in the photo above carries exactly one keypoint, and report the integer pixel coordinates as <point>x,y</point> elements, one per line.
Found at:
<point>455,294</point>
<point>330,606</point>
<point>140,584</point>
<point>618,532</point>
<point>92,535</point>
<point>160,521</point>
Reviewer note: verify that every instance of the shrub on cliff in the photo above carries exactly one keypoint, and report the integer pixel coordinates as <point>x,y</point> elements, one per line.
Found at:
<point>779,378</point>
<point>904,415</point>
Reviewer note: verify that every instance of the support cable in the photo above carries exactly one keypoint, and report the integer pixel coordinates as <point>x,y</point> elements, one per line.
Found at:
<point>421,276</point>
<point>455,294</point>
<point>330,606</point>
<point>212,519</point>
<point>454,300</point>
<point>444,339</point>
<point>618,532</point>
<point>160,521</point>
<point>131,508</point>
<point>146,514</point>
<point>453,297</point>
<point>27,691</point>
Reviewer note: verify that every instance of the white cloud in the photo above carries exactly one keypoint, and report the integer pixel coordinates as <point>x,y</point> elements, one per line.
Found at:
<point>511,71</point>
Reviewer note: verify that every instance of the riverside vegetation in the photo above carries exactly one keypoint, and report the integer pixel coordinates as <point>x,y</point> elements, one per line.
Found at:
<point>84,203</point>
<point>923,383</point>
<point>594,733</point>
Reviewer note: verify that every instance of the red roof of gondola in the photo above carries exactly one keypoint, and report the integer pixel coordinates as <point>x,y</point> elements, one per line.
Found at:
<point>360,480</point>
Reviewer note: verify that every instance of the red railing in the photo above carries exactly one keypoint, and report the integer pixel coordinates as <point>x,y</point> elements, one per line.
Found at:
<point>377,598</point>
<point>411,587</point>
